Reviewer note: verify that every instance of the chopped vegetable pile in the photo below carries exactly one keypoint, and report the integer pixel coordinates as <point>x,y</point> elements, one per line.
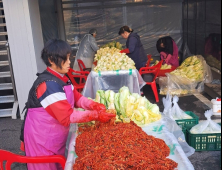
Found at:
<point>164,66</point>
<point>106,51</point>
<point>177,92</point>
<point>121,146</point>
<point>114,44</point>
<point>192,68</point>
<point>110,59</point>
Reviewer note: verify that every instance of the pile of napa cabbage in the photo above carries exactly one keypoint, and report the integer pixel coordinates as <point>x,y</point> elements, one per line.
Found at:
<point>129,106</point>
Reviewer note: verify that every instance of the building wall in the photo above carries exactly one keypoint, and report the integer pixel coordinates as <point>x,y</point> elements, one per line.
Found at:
<point>26,43</point>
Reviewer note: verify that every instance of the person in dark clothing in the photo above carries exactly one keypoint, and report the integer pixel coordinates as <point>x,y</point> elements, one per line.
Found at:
<point>213,46</point>
<point>168,50</point>
<point>134,46</point>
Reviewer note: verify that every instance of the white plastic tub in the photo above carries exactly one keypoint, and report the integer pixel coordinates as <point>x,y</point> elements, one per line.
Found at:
<point>216,106</point>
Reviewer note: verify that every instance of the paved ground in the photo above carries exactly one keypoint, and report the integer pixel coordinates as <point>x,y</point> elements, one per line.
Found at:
<point>10,131</point>
<point>9,138</point>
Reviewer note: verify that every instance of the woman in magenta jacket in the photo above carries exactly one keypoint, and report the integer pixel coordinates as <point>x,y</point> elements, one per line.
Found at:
<point>168,50</point>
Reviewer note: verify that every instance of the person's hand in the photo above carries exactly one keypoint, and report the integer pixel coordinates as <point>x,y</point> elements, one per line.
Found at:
<point>104,117</point>
<point>125,51</point>
<point>168,58</point>
<point>97,106</point>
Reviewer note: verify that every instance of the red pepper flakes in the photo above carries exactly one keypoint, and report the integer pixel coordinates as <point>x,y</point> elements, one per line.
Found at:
<point>120,147</point>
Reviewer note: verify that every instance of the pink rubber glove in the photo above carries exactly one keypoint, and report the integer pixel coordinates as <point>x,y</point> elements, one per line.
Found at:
<point>97,106</point>
<point>88,116</point>
<point>105,117</point>
<point>84,103</point>
<point>83,116</point>
<point>89,104</point>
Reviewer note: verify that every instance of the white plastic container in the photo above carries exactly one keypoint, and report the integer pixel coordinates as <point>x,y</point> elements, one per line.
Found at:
<point>216,106</point>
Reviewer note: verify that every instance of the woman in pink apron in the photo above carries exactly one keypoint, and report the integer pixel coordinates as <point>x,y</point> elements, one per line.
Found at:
<point>168,50</point>
<point>50,107</point>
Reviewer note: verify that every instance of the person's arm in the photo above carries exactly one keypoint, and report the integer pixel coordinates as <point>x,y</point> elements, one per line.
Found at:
<point>88,116</point>
<point>168,58</point>
<point>54,101</point>
<point>97,110</point>
<point>165,57</point>
<point>132,44</point>
<point>83,102</point>
<point>93,43</point>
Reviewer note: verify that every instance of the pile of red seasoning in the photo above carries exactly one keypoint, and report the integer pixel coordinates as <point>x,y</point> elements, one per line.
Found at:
<point>120,147</point>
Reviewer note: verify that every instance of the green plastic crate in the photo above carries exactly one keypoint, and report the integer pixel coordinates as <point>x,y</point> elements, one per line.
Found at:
<point>184,130</point>
<point>204,142</point>
<point>184,122</point>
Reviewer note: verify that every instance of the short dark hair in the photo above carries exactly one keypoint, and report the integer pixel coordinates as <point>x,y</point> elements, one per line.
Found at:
<point>93,31</point>
<point>56,51</point>
<point>125,28</point>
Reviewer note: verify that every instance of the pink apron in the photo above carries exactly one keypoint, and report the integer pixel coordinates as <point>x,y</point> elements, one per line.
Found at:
<point>45,136</point>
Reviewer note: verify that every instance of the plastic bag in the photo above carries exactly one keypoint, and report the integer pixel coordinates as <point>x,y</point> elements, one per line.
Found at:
<point>167,103</point>
<point>208,73</point>
<point>177,83</point>
<point>86,52</point>
<point>176,130</point>
<point>207,126</point>
<point>176,112</point>
<point>107,81</point>
<point>213,62</point>
<point>186,52</point>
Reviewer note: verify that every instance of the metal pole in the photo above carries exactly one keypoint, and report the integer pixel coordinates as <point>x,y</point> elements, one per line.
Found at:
<point>60,16</point>
<point>11,71</point>
<point>124,13</point>
<point>196,4</point>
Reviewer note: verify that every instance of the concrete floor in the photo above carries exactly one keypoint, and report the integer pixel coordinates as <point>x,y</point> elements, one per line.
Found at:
<point>10,132</point>
<point>9,138</point>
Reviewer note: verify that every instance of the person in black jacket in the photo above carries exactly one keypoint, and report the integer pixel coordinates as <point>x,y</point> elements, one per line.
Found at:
<point>134,46</point>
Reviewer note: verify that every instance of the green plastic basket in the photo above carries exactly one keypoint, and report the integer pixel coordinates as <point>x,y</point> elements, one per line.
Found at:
<point>204,142</point>
<point>184,122</point>
<point>184,130</point>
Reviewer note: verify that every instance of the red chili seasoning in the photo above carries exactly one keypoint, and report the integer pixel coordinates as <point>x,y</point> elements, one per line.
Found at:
<point>120,147</point>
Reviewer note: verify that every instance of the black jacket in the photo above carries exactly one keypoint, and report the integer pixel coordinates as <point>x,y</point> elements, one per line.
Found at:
<point>137,52</point>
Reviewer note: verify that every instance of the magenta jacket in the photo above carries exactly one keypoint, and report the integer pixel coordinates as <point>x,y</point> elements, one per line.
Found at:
<point>171,59</point>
